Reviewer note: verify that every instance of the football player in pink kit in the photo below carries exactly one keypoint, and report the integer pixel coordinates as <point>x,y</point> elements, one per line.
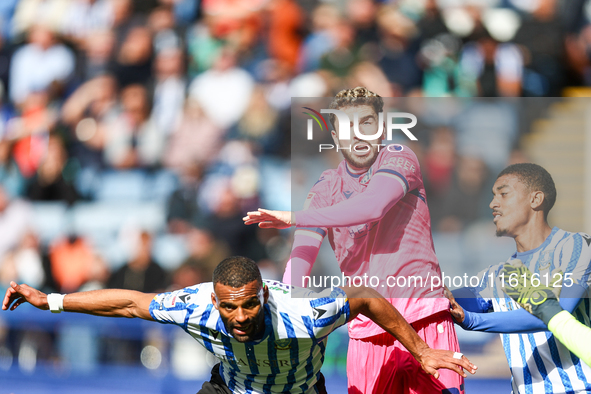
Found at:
<point>374,211</point>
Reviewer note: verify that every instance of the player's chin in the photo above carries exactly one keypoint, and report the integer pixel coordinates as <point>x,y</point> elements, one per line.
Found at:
<point>242,336</point>
<point>362,161</point>
<point>501,232</point>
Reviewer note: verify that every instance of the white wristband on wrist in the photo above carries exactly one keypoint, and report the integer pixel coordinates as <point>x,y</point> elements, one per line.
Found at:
<point>56,302</point>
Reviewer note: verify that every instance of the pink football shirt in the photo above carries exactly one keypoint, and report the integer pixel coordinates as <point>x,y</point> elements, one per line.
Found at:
<point>397,250</point>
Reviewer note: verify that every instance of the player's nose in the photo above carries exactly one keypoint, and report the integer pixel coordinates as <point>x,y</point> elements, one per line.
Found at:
<point>494,203</point>
<point>240,316</point>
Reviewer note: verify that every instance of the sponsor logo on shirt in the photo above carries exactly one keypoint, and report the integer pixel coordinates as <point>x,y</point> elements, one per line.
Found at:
<point>399,162</point>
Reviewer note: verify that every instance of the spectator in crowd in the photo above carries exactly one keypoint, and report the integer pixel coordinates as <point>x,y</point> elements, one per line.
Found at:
<point>212,90</point>
<point>141,272</point>
<point>31,131</point>
<point>398,50</point>
<point>196,139</point>
<point>166,32</point>
<point>26,76</point>
<point>74,263</point>
<point>5,59</point>
<point>259,124</point>
<point>205,251</point>
<point>54,180</point>
<point>85,113</point>
<point>16,218</point>
<point>284,38</point>
<point>133,61</point>
<point>28,13</point>
<point>182,208</point>
<point>96,54</point>
<point>133,139</point>
<point>11,177</point>
<point>82,18</point>
<point>25,262</point>
<point>169,88</point>
<point>543,38</point>
<point>464,202</point>
<point>497,68</point>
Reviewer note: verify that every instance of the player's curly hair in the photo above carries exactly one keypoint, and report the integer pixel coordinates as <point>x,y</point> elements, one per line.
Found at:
<point>237,271</point>
<point>535,178</point>
<point>354,97</point>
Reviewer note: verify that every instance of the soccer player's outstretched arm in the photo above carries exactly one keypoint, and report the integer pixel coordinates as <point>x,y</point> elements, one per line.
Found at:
<point>506,322</point>
<point>111,302</point>
<point>306,245</point>
<point>382,193</point>
<point>371,304</point>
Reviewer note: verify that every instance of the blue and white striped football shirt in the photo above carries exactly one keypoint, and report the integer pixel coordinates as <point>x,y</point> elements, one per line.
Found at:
<point>539,362</point>
<point>288,357</point>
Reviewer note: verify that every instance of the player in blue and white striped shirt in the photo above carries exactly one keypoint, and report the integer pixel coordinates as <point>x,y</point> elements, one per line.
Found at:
<point>267,341</point>
<point>523,195</point>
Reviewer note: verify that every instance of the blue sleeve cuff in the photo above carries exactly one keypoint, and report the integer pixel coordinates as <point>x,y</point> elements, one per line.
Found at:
<point>469,299</point>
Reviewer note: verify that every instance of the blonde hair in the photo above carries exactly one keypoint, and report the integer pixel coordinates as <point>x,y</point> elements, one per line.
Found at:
<point>356,97</point>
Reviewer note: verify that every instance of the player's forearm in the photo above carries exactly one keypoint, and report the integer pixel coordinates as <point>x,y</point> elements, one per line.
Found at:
<point>573,334</point>
<point>385,315</point>
<point>382,193</point>
<point>509,322</point>
<point>306,246</point>
<point>112,303</point>
<point>516,321</point>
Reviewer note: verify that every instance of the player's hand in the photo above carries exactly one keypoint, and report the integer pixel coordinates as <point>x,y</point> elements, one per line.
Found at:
<point>433,359</point>
<point>18,294</point>
<point>457,312</point>
<point>270,219</point>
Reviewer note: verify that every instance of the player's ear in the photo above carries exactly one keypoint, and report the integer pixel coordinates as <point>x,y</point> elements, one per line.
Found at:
<point>335,137</point>
<point>265,292</point>
<point>537,199</point>
<point>214,300</point>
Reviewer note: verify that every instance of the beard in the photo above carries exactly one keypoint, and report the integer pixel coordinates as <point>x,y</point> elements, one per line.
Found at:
<point>363,161</point>
<point>501,232</point>
<point>256,330</point>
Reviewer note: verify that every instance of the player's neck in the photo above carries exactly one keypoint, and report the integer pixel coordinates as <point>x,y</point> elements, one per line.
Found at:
<point>532,236</point>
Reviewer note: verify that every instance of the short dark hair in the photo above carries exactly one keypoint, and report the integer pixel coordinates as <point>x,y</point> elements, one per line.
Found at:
<point>237,271</point>
<point>355,97</point>
<point>535,178</point>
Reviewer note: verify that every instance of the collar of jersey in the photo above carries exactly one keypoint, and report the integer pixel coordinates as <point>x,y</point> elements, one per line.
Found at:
<point>542,246</point>
<point>268,326</point>
<point>353,174</point>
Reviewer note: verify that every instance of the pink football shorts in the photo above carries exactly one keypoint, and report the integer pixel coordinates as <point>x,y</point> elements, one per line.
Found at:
<point>380,364</point>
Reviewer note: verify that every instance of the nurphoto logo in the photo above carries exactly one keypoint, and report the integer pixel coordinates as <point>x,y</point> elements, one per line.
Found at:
<point>344,129</point>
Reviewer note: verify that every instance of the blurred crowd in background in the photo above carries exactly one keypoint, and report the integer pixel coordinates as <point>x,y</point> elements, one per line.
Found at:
<point>135,134</point>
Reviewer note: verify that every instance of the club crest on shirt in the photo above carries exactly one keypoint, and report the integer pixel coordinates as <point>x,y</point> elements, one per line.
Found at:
<point>283,344</point>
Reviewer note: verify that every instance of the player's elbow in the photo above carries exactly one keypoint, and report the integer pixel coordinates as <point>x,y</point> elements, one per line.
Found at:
<point>362,298</point>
